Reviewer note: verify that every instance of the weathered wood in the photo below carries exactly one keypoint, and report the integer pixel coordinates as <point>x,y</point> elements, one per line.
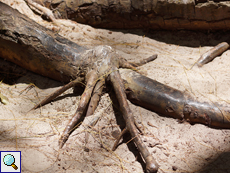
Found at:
<point>171,102</point>
<point>41,50</point>
<point>152,14</point>
<point>212,53</point>
<point>35,48</point>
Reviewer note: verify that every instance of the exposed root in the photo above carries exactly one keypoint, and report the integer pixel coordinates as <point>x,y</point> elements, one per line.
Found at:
<point>58,92</point>
<point>105,66</point>
<point>82,106</point>
<point>95,98</point>
<point>115,78</point>
<point>66,60</point>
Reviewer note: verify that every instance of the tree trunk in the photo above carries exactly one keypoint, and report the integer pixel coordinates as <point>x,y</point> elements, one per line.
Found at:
<point>151,14</point>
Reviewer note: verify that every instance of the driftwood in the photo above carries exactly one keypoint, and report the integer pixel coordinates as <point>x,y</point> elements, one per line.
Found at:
<point>26,43</point>
<point>212,53</point>
<point>152,14</point>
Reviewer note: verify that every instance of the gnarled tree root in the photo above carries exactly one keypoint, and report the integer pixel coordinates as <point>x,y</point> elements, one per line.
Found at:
<point>53,56</point>
<point>40,50</point>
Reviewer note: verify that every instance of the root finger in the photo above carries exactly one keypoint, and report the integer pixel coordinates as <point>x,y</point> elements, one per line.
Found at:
<point>133,65</point>
<point>151,165</point>
<point>72,125</point>
<point>144,61</point>
<point>82,106</point>
<point>57,93</point>
<point>96,95</point>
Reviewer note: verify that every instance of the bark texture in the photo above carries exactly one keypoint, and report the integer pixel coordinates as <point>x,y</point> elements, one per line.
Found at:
<point>171,102</point>
<point>152,14</point>
<point>33,47</point>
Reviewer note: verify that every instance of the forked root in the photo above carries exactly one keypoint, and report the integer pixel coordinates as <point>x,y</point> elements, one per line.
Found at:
<point>91,80</point>
<point>89,101</point>
<point>95,98</point>
<point>115,78</point>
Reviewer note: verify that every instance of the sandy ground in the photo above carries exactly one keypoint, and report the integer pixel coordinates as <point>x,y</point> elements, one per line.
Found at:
<point>177,147</point>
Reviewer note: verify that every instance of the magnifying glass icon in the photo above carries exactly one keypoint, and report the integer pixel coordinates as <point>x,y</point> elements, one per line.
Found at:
<point>9,160</point>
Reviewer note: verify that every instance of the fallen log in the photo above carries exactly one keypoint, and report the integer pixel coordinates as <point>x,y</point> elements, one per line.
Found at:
<point>26,43</point>
<point>171,102</point>
<point>152,14</point>
<point>31,46</point>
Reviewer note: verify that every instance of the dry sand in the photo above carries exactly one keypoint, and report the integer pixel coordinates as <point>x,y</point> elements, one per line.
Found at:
<point>177,147</point>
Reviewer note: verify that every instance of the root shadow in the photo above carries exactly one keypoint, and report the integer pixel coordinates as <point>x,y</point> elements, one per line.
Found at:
<point>11,74</point>
<point>220,164</point>
<point>126,138</point>
<point>182,37</point>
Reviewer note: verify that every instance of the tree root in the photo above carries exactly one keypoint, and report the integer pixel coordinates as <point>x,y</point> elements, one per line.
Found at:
<point>53,56</point>
<point>115,78</point>
<point>91,80</point>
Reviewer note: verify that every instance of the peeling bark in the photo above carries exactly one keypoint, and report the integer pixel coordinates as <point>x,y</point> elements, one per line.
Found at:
<point>152,14</point>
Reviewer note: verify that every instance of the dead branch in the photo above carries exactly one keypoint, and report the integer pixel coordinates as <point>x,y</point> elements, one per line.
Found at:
<point>212,53</point>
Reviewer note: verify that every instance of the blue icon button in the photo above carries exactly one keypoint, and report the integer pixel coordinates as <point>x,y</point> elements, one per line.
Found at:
<point>9,160</point>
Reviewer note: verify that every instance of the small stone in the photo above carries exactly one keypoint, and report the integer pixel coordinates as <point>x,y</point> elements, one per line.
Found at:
<point>174,168</point>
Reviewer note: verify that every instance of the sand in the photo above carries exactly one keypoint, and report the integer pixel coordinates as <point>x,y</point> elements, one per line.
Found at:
<point>177,147</point>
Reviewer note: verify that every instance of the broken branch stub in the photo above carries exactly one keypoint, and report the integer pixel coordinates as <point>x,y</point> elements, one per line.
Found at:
<point>212,53</point>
